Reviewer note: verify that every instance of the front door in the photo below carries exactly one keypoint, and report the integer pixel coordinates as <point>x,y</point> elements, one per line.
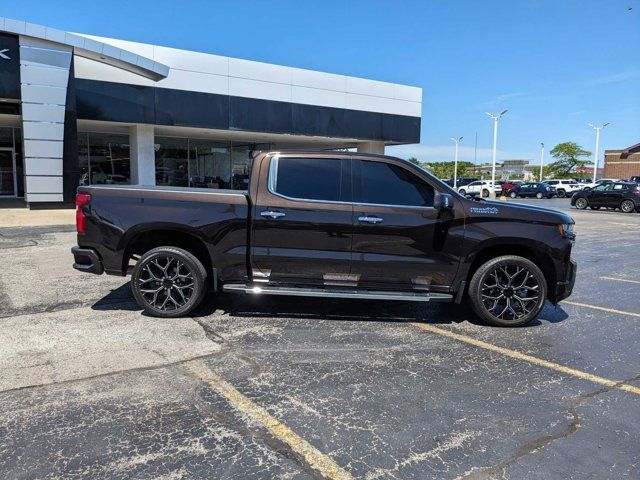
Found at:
<point>599,195</point>
<point>7,173</point>
<point>400,240</point>
<point>303,221</point>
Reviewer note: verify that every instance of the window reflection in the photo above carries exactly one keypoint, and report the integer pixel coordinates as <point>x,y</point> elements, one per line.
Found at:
<point>104,158</point>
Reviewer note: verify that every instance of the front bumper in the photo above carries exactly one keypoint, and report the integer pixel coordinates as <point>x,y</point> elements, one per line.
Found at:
<point>87,260</point>
<point>564,289</point>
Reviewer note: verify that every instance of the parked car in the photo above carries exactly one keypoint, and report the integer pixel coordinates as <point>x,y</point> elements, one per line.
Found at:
<point>536,189</point>
<point>602,181</point>
<point>622,195</point>
<point>509,185</point>
<point>635,179</point>
<point>301,230</point>
<point>480,188</point>
<point>564,188</point>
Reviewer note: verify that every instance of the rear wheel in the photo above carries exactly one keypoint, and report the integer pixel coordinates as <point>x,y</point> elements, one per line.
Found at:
<point>582,203</point>
<point>513,194</point>
<point>627,206</point>
<point>462,191</point>
<point>562,194</point>
<point>485,193</point>
<point>168,282</point>
<point>539,195</point>
<point>508,291</point>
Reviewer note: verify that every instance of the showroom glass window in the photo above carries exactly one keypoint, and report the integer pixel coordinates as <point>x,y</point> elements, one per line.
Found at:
<point>104,158</point>
<point>389,184</point>
<point>310,178</point>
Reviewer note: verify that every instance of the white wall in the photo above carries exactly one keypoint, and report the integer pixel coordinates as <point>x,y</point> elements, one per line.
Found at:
<point>202,72</point>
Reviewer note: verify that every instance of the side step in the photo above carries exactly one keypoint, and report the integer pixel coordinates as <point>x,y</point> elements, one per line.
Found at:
<point>335,293</point>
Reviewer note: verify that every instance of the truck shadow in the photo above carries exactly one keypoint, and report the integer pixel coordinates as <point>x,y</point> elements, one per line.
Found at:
<point>248,306</point>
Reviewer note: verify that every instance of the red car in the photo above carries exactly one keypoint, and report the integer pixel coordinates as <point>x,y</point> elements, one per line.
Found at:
<point>509,185</point>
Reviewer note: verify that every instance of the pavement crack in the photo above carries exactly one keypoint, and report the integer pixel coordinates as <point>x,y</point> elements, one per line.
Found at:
<point>536,444</point>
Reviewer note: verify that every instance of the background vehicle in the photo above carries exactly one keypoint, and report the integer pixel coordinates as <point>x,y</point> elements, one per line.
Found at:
<point>538,190</point>
<point>327,224</point>
<point>480,188</point>
<point>509,185</point>
<point>564,188</point>
<point>602,181</point>
<point>622,195</point>
<point>635,179</point>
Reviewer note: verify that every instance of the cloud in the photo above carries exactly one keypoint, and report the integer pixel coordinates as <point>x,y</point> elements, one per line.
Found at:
<point>614,78</point>
<point>439,153</point>
<point>500,99</point>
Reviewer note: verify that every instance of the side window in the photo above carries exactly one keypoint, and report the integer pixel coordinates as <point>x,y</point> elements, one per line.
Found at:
<point>311,178</point>
<point>618,186</point>
<point>389,184</point>
<point>553,182</point>
<point>474,184</point>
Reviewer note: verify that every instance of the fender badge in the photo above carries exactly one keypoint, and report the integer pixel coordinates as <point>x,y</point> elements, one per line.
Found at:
<point>485,210</point>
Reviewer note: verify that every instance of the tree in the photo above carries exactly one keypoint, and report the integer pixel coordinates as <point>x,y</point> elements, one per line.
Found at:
<point>415,161</point>
<point>445,170</point>
<point>567,157</point>
<point>547,172</point>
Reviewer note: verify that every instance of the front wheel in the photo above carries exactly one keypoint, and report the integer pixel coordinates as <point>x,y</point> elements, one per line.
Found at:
<point>513,194</point>
<point>168,282</point>
<point>508,291</point>
<point>562,194</point>
<point>582,203</point>
<point>539,195</point>
<point>462,192</point>
<point>485,193</point>
<point>627,206</point>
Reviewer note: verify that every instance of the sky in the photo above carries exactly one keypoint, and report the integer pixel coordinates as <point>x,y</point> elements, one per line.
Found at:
<point>556,65</point>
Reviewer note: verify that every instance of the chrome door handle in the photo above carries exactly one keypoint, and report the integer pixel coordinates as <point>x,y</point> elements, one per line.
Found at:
<point>373,220</point>
<point>272,214</point>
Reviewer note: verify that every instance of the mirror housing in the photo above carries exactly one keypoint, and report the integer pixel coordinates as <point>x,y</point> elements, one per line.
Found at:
<point>443,201</point>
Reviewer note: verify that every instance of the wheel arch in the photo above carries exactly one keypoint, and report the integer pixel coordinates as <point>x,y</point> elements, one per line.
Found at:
<point>520,248</point>
<point>143,239</point>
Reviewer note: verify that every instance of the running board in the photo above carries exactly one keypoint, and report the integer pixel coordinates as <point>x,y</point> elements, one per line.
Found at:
<point>335,293</point>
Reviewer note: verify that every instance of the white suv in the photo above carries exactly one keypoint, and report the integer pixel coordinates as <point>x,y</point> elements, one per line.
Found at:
<point>479,188</point>
<point>564,188</point>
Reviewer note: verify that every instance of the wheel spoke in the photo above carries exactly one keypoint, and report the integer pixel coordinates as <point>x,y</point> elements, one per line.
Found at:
<point>166,283</point>
<point>510,292</point>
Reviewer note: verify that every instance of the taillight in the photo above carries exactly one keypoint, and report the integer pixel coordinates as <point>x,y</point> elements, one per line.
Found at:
<point>82,199</point>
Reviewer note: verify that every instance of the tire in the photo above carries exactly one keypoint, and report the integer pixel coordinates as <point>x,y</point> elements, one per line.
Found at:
<point>513,195</point>
<point>173,268</point>
<point>627,206</point>
<point>582,203</point>
<point>562,194</point>
<point>462,192</point>
<point>503,305</point>
<point>539,195</point>
<point>485,193</point>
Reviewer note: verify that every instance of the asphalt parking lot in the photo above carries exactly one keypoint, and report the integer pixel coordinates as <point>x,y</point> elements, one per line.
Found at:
<point>306,388</point>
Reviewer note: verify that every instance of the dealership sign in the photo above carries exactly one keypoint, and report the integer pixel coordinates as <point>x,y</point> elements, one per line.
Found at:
<point>9,67</point>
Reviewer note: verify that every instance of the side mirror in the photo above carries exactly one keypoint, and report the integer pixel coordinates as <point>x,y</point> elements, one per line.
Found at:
<point>443,201</point>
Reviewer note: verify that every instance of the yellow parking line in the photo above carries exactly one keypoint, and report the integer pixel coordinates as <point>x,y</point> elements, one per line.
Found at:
<point>620,279</point>
<point>528,358</point>
<point>604,309</point>
<point>313,457</point>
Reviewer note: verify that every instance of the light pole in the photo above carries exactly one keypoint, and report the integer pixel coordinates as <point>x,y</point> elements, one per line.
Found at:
<point>496,119</point>
<point>541,159</point>
<point>455,163</point>
<point>595,154</point>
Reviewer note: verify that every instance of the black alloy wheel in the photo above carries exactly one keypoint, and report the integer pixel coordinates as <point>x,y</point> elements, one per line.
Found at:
<point>582,203</point>
<point>508,291</point>
<point>627,206</point>
<point>168,282</point>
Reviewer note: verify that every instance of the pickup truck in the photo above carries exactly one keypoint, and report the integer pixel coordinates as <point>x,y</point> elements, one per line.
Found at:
<point>327,224</point>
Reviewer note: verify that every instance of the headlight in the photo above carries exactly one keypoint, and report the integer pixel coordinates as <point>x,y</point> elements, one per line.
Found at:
<point>567,230</point>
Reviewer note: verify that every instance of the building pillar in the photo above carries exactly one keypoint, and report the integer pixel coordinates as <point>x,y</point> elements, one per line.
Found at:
<point>371,147</point>
<point>142,154</point>
<point>44,75</point>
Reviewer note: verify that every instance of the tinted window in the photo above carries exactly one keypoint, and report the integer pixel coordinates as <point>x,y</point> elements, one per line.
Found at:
<point>310,178</point>
<point>552,182</point>
<point>389,184</point>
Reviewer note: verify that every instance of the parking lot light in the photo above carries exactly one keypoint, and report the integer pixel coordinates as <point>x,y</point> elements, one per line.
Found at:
<point>595,153</point>
<point>541,159</point>
<point>455,162</point>
<point>496,119</point>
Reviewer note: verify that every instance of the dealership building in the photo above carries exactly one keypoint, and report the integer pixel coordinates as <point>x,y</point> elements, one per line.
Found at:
<point>77,109</point>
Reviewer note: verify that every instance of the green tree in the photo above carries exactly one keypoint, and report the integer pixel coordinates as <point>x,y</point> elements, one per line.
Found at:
<point>415,161</point>
<point>568,157</point>
<point>444,170</point>
<point>547,172</point>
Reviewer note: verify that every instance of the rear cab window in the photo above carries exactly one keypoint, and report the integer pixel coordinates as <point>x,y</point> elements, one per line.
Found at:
<point>309,178</point>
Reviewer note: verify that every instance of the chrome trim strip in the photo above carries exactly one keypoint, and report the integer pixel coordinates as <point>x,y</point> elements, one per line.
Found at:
<point>132,188</point>
<point>343,293</point>
<point>272,183</point>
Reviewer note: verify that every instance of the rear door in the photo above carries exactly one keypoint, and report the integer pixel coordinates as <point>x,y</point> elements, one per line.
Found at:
<point>398,240</point>
<point>302,220</point>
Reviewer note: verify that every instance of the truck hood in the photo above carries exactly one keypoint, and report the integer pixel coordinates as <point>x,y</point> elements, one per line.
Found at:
<point>511,211</point>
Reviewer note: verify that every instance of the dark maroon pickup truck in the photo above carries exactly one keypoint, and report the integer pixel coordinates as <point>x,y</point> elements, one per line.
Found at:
<point>327,224</point>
